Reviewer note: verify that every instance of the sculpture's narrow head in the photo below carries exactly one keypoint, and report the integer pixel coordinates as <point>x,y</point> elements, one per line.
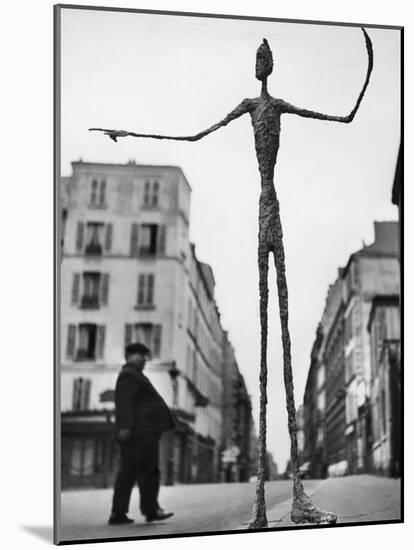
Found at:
<point>264,61</point>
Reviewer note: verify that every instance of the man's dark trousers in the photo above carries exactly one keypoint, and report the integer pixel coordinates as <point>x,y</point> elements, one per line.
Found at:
<point>139,464</point>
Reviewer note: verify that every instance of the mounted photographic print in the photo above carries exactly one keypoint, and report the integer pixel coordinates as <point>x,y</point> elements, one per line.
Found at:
<point>228,254</point>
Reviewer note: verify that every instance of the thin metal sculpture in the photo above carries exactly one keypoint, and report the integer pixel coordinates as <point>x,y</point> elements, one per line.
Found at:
<point>265,112</point>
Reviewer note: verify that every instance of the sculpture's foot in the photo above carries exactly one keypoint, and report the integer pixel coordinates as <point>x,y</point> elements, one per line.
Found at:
<point>303,511</point>
<point>259,519</point>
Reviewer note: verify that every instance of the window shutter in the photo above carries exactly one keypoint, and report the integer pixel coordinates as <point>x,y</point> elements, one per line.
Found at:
<point>162,233</point>
<point>141,287</point>
<point>146,193</point>
<point>156,348</point>
<point>75,288</point>
<point>104,288</point>
<point>128,334</point>
<point>155,193</point>
<point>70,348</point>
<point>150,289</point>
<point>134,240</point>
<point>102,194</point>
<point>86,394</point>
<point>108,237</point>
<point>79,236</point>
<point>94,187</point>
<point>77,385</point>
<point>100,341</point>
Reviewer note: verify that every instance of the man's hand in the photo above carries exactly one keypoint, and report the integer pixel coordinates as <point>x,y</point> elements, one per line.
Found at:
<point>124,435</point>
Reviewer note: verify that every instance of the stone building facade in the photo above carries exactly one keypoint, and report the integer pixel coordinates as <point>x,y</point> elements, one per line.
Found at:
<point>373,270</point>
<point>129,273</point>
<point>342,355</point>
<point>237,420</point>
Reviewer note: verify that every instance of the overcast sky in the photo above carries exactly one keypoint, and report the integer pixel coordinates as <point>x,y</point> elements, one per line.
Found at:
<point>179,75</point>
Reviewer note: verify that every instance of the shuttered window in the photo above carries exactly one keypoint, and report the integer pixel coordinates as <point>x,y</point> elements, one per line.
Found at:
<point>147,334</point>
<point>81,394</point>
<point>145,295</point>
<point>151,194</point>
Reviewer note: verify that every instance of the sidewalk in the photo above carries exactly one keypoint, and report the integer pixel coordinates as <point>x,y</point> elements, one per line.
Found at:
<point>353,499</point>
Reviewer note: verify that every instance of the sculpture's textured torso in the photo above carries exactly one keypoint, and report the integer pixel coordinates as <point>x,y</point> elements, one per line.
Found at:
<point>265,115</point>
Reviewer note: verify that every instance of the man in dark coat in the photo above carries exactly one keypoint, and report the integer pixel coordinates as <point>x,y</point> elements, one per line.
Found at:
<point>141,417</point>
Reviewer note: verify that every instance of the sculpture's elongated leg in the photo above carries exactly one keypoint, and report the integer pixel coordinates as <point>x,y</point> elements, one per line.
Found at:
<point>259,518</point>
<point>302,510</point>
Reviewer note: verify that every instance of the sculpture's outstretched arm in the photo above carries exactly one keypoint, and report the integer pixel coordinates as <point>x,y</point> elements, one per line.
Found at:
<point>235,113</point>
<point>288,108</point>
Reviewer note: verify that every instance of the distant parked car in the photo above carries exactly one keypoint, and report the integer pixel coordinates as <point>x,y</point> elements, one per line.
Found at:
<point>253,479</point>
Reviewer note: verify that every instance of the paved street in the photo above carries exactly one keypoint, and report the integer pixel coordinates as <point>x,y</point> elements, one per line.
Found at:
<point>353,499</point>
<point>215,507</point>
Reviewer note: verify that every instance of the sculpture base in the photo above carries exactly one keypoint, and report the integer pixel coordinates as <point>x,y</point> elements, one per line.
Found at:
<point>259,519</point>
<point>303,511</point>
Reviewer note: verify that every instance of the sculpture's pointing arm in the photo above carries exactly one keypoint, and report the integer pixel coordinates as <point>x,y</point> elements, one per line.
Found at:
<point>235,113</point>
<point>288,108</point>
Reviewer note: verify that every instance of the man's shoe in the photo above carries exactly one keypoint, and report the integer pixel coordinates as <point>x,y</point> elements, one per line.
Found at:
<point>122,519</point>
<point>159,516</point>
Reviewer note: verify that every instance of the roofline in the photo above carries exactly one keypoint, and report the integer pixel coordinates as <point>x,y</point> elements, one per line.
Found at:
<point>366,253</point>
<point>200,272</point>
<point>132,166</point>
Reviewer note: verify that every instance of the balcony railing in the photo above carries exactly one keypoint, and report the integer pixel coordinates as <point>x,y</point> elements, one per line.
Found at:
<point>93,250</point>
<point>90,302</point>
<point>84,355</point>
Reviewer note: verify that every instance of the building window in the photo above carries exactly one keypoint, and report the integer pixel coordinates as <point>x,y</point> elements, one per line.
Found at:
<point>89,456</point>
<point>145,296</point>
<point>151,194</point>
<point>81,394</point>
<point>147,239</point>
<point>91,283</point>
<point>94,233</point>
<point>97,198</point>
<point>95,287</point>
<point>145,333</point>
<point>94,192</point>
<point>85,342</point>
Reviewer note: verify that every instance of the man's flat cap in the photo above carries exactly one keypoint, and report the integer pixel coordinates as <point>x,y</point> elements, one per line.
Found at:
<point>136,348</point>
